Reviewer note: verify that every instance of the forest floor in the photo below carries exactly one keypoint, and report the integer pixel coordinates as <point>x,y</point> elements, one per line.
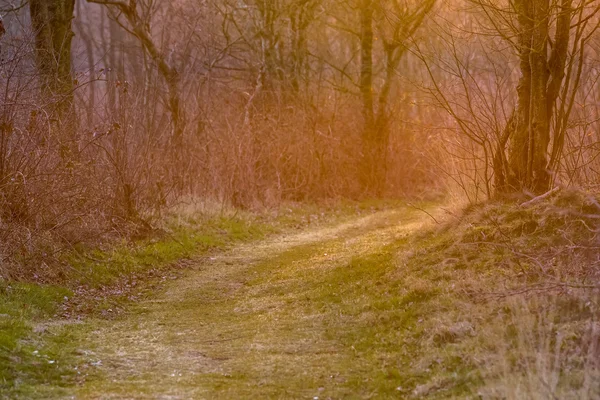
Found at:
<point>388,305</point>
<point>289,317</point>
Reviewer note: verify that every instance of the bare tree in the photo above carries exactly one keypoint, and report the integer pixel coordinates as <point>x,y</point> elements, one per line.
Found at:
<point>137,22</point>
<point>395,23</point>
<point>51,21</point>
<point>542,76</point>
<point>523,144</point>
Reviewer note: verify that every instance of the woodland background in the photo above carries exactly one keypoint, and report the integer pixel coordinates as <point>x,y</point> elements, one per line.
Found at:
<point>113,111</point>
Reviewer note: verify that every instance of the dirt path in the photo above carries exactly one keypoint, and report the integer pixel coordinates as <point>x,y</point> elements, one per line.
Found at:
<point>257,322</point>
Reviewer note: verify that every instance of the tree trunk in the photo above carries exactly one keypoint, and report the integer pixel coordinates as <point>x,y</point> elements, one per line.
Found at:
<point>528,128</point>
<point>84,30</point>
<point>368,168</point>
<point>375,135</point>
<point>51,21</point>
<point>301,16</point>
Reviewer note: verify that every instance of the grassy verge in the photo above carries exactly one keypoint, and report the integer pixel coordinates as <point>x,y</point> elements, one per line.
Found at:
<point>269,322</point>
<point>35,342</point>
<point>505,302</point>
<point>498,303</point>
<point>389,322</point>
<point>30,351</point>
<point>36,320</point>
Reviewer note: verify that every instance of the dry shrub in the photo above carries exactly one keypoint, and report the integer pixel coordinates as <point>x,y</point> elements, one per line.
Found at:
<point>61,185</point>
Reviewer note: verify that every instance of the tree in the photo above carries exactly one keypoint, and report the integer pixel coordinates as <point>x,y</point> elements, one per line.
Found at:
<point>542,61</point>
<point>395,23</point>
<point>520,120</point>
<point>138,25</point>
<point>550,42</point>
<point>301,15</point>
<point>51,21</point>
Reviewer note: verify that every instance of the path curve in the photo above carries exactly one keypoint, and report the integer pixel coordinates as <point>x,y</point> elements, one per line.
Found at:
<point>248,323</point>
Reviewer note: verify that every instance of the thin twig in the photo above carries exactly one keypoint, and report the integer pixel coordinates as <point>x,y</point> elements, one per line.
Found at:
<point>540,197</point>
<point>425,211</point>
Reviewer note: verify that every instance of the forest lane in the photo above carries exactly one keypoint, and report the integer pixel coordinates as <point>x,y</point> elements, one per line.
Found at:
<point>257,321</point>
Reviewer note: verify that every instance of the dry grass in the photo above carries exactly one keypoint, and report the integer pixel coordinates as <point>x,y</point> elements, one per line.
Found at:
<point>549,350</point>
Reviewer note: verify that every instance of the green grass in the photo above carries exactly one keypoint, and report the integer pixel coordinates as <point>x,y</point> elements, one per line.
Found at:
<point>103,267</point>
<point>37,347</point>
<point>32,354</point>
<point>332,318</point>
<point>389,320</point>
